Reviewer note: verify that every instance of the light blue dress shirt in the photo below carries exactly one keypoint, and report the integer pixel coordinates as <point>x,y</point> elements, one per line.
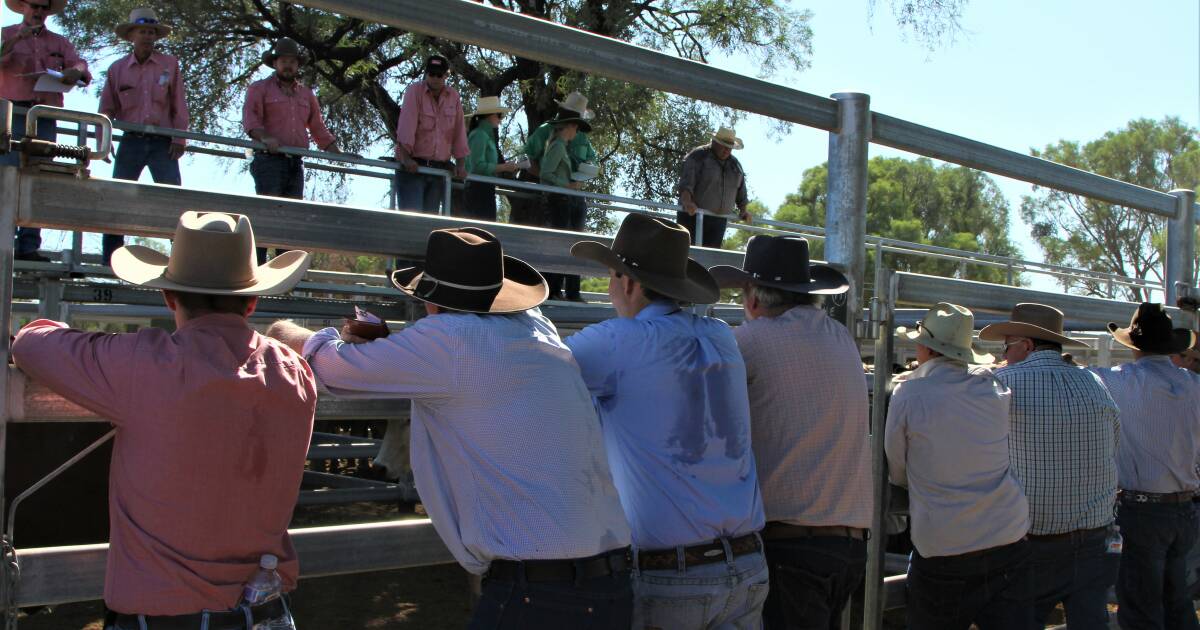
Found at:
<point>671,391</point>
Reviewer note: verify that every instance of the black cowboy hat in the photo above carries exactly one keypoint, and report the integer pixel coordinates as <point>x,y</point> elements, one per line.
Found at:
<point>282,47</point>
<point>655,253</point>
<point>566,116</point>
<point>466,270</point>
<point>1150,330</point>
<point>781,262</point>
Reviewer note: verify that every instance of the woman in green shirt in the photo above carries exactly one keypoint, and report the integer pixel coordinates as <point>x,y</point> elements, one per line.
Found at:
<point>479,199</point>
<point>556,168</point>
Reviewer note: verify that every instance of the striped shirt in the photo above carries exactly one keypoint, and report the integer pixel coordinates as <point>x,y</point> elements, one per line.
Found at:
<point>1160,424</point>
<point>1062,442</point>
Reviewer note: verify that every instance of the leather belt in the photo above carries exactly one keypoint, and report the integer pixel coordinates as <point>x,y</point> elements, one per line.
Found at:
<point>607,563</point>
<point>223,620</point>
<point>776,530</point>
<point>707,553</point>
<point>1133,496</point>
<point>434,163</point>
<point>1073,535</point>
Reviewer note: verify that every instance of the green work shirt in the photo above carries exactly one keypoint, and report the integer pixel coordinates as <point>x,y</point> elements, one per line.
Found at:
<point>483,157</point>
<point>555,165</point>
<point>580,149</point>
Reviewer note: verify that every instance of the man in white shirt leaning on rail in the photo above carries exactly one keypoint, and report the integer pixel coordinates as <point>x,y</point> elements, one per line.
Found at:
<point>516,482</point>
<point>810,419</point>
<point>947,440</point>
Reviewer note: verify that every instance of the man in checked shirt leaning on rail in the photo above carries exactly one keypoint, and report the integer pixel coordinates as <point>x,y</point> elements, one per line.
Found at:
<point>1063,447</point>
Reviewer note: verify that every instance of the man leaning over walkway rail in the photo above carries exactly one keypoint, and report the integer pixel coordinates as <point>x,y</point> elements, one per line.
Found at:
<point>947,440</point>
<point>810,420</point>
<point>1063,448</point>
<point>671,389</point>
<point>429,132</point>
<point>213,424</point>
<point>1156,470</point>
<point>515,481</point>
<point>145,87</point>
<point>28,50</point>
<point>713,180</point>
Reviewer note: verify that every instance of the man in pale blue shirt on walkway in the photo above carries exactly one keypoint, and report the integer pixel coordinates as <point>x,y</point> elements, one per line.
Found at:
<point>671,390</point>
<point>1156,470</point>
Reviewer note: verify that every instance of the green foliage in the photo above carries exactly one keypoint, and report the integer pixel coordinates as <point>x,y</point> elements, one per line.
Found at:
<point>1073,230</point>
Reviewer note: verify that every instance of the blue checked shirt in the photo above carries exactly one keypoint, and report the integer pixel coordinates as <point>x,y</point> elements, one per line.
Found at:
<point>1062,442</point>
<point>1160,424</point>
<point>671,390</point>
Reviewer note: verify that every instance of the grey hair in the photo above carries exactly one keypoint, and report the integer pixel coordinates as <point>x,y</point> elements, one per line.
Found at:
<point>770,297</point>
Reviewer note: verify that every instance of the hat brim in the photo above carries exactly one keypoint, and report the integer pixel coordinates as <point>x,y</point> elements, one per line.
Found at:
<point>486,112</point>
<point>56,6</point>
<point>698,287</point>
<point>268,58</point>
<point>523,288</point>
<point>123,30</point>
<point>966,355</point>
<point>146,267</point>
<point>824,280</point>
<point>997,332</point>
<point>1181,339</point>
<point>584,125</point>
<point>586,114</point>
<point>736,145</point>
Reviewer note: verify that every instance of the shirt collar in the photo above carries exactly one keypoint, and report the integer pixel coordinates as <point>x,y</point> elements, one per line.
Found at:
<point>661,308</point>
<point>131,59</point>
<point>1042,357</point>
<point>221,320</point>
<point>297,85</point>
<point>932,365</point>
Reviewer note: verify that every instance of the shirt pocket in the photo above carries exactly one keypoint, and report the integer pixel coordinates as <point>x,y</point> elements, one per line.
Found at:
<point>427,117</point>
<point>160,88</point>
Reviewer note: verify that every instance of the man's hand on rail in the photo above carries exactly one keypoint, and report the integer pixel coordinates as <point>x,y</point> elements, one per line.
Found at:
<point>575,185</point>
<point>744,215</point>
<point>410,165</point>
<point>272,144</point>
<point>289,334</point>
<point>460,170</point>
<point>689,206</point>
<point>176,151</point>
<point>507,167</point>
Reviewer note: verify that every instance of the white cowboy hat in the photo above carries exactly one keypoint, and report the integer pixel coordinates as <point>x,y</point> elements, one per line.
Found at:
<point>726,136</point>
<point>213,252</point>
<point>947,329</point>
<point>577,103</point>
<point>489,105</point>
<point>143,16</point>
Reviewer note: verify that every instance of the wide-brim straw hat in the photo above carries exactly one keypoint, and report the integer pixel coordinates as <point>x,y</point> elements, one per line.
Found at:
<point>283,47</point>
<point>726,136</point>
<point>577,103</point>
<point>947,330</point>
<point>489,105</point>
<point>566,117</point>
<point>143,16</point>
<point>1150,330</point>
<point>781,262</point>
<point>1035,321</point>
<point>466,270</point>
<point>213,253</point>
<point>56,6</point>
<point>654,252</point>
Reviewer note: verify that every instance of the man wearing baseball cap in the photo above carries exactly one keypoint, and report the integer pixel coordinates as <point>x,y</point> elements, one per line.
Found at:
<point>430,131</point>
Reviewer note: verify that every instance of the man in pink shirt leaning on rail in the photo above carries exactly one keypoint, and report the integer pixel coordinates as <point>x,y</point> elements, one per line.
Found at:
<point>145,87</point>
<point>213,424</point>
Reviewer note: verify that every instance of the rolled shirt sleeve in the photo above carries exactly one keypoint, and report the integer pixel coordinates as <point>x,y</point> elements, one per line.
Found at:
<point>71,59</point>
<point>742,198</point>
<point>253,108</point>
<point>895,441</point>
<point>179,115</point>
<point>108,94</point>
<point>458,147</point>
<point>316,124</point>
<point>687,176</point>
<point>406,124</point>
<point>593,349</point>
<point>89,369</point>
<point>413,363</point>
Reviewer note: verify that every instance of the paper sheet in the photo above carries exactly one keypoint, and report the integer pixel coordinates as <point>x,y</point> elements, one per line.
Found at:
<point>51,82</point>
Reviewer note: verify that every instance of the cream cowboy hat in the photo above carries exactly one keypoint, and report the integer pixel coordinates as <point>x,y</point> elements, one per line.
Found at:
<point>489,105</point>
<point>577,103</point>
<point>726,136</point>
<point>213,252</point>
<point>1035,321</point>
<point>946,329</point>
<point>143,16</point>
<point>56,6</point>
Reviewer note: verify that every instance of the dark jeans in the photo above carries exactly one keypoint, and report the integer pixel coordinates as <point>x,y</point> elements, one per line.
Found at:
<point>277,176</point>
<point>479,202</point>
<point>565,212</point>
<point>421,193</point>
<point>28,239</point>
<point>992,588</point>
<point>135,153</point>
<point>1152,580</point>
<point>603,603</point>
<point>811,581</point>
<point>714,228</point>
<point>1076,571</point>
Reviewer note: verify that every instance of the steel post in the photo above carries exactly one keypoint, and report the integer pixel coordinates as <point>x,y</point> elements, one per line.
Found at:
<point>846,205</point>
<point>10,191</point>
<point>445,210</point>
<point>875,596</point>
<point>1181,246</point>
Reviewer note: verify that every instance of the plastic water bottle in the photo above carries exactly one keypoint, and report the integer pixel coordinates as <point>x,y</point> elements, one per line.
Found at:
<point>1115,541</point>
<point>265,586</point>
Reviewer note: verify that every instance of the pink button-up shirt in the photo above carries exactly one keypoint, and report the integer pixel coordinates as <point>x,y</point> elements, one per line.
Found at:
<point>213,426</point>
<point>432,128</point>
<point>288,115</point>
<point>146,93</point>
<point>35,55</point>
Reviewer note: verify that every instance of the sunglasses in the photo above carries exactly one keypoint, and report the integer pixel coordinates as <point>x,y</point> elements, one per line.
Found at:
<point>1010,344</point>
<point>436,73</point>
<point>40,7</point>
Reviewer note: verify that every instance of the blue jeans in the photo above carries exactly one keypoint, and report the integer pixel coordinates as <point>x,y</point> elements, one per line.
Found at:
<point>724,595</point>
<point>420,193</point>
<point>1152,580</point>
<point>135,153</point>
<point>28,239</point>
<point>811,581</point>
<point>277,176</point>
<point>992,588</point>
<point>603,603</point>
<point>1076,571</point>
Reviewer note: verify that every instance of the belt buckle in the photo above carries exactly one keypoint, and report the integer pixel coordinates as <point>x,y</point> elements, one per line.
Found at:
<point>713,553</point>
<point>1141,498</point>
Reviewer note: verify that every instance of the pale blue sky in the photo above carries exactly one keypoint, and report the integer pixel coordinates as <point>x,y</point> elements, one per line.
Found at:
<point>1022,75</point>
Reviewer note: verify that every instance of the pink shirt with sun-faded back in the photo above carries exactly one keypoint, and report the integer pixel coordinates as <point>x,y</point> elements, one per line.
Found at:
<point>213,426</point>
